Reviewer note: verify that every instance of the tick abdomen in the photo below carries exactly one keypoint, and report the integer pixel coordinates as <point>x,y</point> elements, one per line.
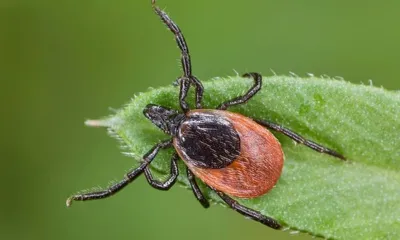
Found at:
<point>259,157</point>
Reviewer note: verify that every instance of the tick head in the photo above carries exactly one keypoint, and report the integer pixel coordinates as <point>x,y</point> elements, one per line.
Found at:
<point>165,118</point>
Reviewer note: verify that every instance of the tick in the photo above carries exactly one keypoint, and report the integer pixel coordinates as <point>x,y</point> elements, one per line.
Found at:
<point>234,155</point>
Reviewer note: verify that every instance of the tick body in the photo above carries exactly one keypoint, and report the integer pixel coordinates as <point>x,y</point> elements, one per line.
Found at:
<point>221,148</point>
<point>232,154</point>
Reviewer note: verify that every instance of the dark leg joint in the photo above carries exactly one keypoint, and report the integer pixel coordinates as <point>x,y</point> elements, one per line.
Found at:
<point>147,158</point>
<point>246,97</point>
<point>170,181</point>
<point>299,139</point>
<point>185,85</point>
<point>187,78</point>
<point>199,91</point>
<point>196,190</point>
<point>257,216</point>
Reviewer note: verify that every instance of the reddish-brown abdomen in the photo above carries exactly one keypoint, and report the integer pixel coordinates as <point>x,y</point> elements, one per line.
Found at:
<point>258,167</point>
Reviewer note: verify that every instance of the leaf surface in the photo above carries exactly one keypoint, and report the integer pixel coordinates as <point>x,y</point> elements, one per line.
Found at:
<point>316,193</point>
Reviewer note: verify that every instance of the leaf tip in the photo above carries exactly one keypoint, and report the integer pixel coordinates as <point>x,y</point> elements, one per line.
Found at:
<point>98,123</point>
<point>68,202</point>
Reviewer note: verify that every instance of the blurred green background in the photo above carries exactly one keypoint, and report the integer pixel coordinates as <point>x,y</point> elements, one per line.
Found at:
<point>62,62</point>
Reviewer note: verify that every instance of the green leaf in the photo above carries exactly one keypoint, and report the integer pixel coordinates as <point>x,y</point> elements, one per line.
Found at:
<point>316,193</point>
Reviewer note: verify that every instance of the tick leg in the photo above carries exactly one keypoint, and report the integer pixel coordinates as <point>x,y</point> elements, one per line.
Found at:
<point>242,99</point>
<point>185,59</point>
<point>270,222</point>
<point>129,177</point>
<point>199,91</point>
<point>170,181</point>
<point>185,85</point>
<point>196,190</point>
<point>299,139</point>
